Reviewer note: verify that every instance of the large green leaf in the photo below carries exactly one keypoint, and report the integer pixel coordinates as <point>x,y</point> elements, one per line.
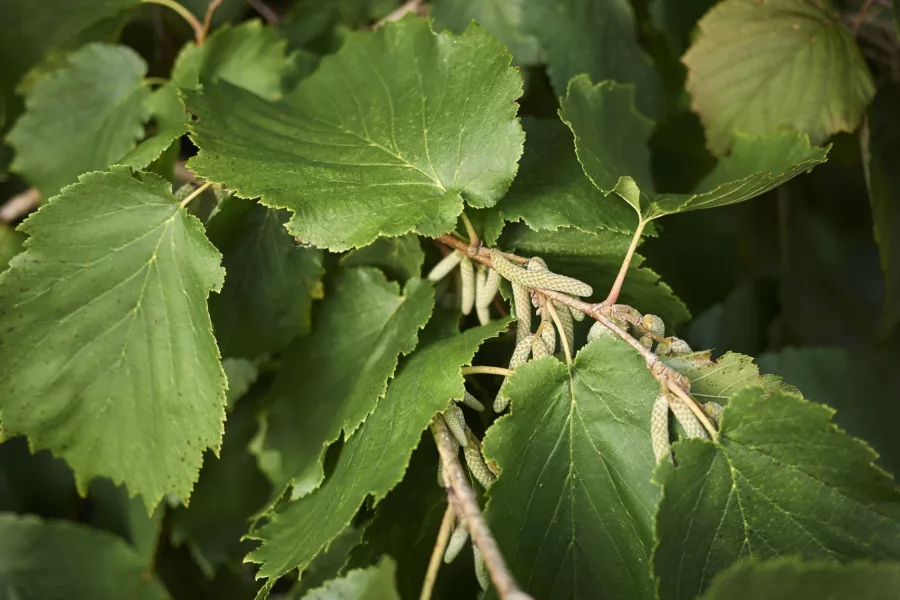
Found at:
<point>82,117</point>
<point>502,19</point>
<point>250,56</point>
<point>330,381</point>
<point>388,136</point>
<point>881,151</point>
<point>107,351</point>
<point>552,191</point>
<point>789,579</point>
<point>374,583</point>
<point>572,508</point>
<point>596,37</point>
<point>596,259</point>
<point>781,480</point>
<point>611,143</point>
<point>718,381</point>
<point>400,258</point>
<point>46,560</point>
<point>374,459</point>
<point>677,20</point>
<point>758,67</point>
<point>170,121</point>
<point>271,283</point>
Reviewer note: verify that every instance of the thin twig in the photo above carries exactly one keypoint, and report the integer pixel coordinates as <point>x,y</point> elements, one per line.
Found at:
<point>548,306</point>
<point>485,370</point>
<point>462,498</point>
<point>859,17</point>
<point>207,19</point>
<point>613,296</point>
<point>267,13</point>
<point>470,231</point>
<point>434,564</point>
<point>407,7</point>
<point>185,14</point>
<point>195,193</point>
<point>20,205</point>
<point>696,409</point>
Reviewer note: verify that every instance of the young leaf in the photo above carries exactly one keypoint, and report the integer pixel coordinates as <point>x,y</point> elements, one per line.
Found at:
<point>400,258</point>
<point>374,583</point>
<point>595,259</point>
<point>329,382</point>
<point>758,67</point>
<point>572,508</point>
<point>388,136</point>
<point>250,56</point>
<point>789,579</point>
<point>502,19</point>
<point>551,191</point>
<point>271,284</point>
<point>611,143</point>
<point>107,352</point>
<point>374,459</point>
<point>593,37</point>
<point>781,480</point>
<point>60,561</point>
<point>718,381</point>
<point>82,117</point>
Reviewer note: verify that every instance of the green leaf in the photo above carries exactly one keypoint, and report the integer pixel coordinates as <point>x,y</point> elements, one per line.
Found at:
<point>501,18</point>
<point>375,583</point>
<point>881,150</point>
<point>387,137</point>
<point>108,354</point>
<point>572,508</point>
<point>552,191</point>
<point>593,37</point>
<point>718,381</point>
<point>28,33</point>
<point>611,143</point>
<point>596,260</point>
<point>171,121</point>
<point>781,480</point>
<point>272,281</point>
<point>400,258</point>
<point>10,245</point>
<point>328,564</point>
<point>788,579</point>
<point>853,386</point>
<point>230,490</point>
<point>82,117</point>
<point>241,374</point>
<point>677,21</point>
<point>330,381</point>
<point>374,459</point>
<point>63,561</point>
<point>754,65</point>
<point>250,56</point>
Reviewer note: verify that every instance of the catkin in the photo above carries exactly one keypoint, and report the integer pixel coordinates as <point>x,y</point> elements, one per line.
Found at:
<point>548,333</point>
<point>568,326</point>
<point>673,345</point>
<point>653,324</point>
<point>481,572</point>
<point>522,302</point>
<point>538,347</point>
<point>692,426</point>
<point>447,264</point>
<point>713,411</point>
<point>457,542</point>
<point>659,427</point>
<point>456,423</point>
<point>467,276</point>
<point>520,355</point>
<point>484,314</point>
<point>490,289</point>
<point>471,401</point>
<point>538,279</point>
<point>576,314</point>
<point>477,467</point>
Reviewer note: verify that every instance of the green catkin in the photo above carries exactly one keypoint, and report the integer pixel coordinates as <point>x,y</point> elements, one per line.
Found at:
<point>673,345</point>
<point>654,324</point>
<point>576,314</point>
<point>484,313</point>
<point>444,267</point>
<point>481,572</point>
<point>539,279</point>
<point>467,276</point>
<point>456,423</point>
<point>659,427</point>
<point>522,303</point>
<point>539,348</point>
<point>471,401</point>
<point>692,426</point>
<point>647,342</point>
<point>548,333</point>
<point>597,331</point>
<point>568,326</point>
<point>519,356</point>
<point>490,289</point>
<point>457,542</point>
<point>477,466</point>
<point>713,411</point>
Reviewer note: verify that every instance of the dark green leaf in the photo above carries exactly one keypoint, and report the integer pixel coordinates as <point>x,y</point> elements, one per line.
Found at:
<point>330,381</point>
<point>374,459</point>
<point>759,67</point>
<point>374,583</point>
<point>272,280</point>
<point>502,19</point>
<point>127,517</point>
<point>107,352</point>
<point>10,245</point>
<point>572,509</point>
<point>83,117</point>
<point>401,258</point>
<point>781,480</point>
<point>63,561</point>
<point>171,122</point>
<point>677,20</point>
<point>388,136</point>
